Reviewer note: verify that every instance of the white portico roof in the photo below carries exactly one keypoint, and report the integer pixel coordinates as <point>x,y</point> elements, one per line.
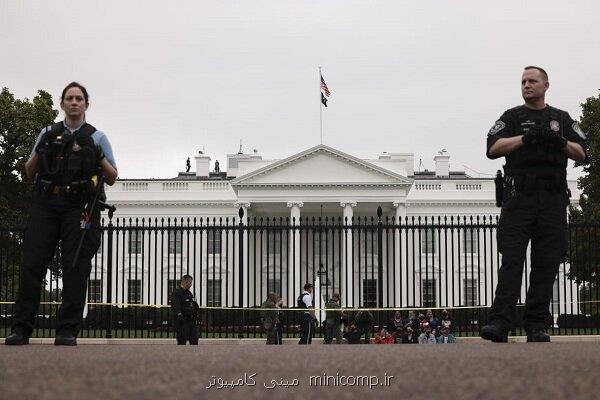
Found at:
<point>321,174</point>
<point>321,166</point>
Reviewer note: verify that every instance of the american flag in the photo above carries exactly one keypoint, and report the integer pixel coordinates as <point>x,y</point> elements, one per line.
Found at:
<point>324,87</point>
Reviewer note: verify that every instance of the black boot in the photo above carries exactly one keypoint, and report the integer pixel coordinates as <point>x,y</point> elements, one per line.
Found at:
<point>494,332</point>
<point>16,338</point>
<point>537,335</point>
<point>65,339</point>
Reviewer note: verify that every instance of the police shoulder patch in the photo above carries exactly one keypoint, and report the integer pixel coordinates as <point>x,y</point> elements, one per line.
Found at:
<point>578,130</point>
<point>498,126</point>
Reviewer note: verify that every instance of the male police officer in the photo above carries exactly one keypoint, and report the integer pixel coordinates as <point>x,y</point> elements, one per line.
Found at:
<point>66,161</point>
<point>269,316</point>
<point>307,319</point>
<point>536,140</point>
<point>334,320</point>
<point>185,311</point>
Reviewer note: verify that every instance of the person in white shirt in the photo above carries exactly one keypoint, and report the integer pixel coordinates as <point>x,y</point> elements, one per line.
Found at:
<point>307,319</point>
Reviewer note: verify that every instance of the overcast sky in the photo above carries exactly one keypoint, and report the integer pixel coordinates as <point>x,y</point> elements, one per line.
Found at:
<point>169,78</point>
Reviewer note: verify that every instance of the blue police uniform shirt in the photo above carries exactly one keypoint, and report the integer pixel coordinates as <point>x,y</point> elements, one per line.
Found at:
<point>99,137</point>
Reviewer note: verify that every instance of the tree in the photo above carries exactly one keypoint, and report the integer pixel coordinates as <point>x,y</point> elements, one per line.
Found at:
<point>20,123</point>
<point>584,252</point>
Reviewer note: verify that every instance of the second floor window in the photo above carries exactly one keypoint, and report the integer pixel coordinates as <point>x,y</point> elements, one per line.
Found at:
<point>214,242</point>
<point>428,244</point>
<point>135,242</point>
<point>175,242</point>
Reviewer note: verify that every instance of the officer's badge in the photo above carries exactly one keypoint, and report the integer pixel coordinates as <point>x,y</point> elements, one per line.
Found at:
<point>578,130</point>
<point>498,126</point>
<point>554,126</point>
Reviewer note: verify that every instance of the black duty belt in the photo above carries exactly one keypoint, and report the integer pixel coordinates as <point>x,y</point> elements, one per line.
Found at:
<point>533,182</point>
<point>50,188</point>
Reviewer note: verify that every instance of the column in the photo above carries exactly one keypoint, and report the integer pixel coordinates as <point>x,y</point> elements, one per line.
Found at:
<point>400,250</point>
<point>293,278</point>
<point>347,283</point>
<point>245,269</point>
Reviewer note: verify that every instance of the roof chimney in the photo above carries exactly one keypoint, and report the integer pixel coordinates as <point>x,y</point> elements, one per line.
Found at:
<point>442,164</point>
<point>202,164</point>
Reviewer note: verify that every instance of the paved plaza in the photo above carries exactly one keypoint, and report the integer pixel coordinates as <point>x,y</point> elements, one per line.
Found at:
<point>468,370</point>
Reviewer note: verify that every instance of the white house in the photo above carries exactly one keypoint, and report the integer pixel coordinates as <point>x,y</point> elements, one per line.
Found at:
<point>451,267</point>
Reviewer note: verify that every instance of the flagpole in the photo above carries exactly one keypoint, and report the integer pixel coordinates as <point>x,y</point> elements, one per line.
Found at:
<point>320,106</point>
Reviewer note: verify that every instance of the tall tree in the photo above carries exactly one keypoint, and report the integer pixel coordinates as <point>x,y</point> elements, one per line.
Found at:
<point>584,254</point>
<point>20,123</point>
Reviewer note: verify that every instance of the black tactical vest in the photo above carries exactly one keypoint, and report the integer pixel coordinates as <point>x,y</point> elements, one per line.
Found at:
<point>539,159</point>
<point>67,161</point>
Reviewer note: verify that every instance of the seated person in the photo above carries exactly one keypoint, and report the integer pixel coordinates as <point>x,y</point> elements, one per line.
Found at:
<point>353,335</point>
<point>422,322</point>
<point>382,337</point>
<point>410,337</point>
<point>398,335</point>
<point>447,321</point>
<point>427,337</point>
<point>432,321</point>
<point>395,327</point>
<point>446,336</point>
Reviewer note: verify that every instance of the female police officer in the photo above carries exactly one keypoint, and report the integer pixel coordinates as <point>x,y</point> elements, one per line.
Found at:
<point>66,161</point>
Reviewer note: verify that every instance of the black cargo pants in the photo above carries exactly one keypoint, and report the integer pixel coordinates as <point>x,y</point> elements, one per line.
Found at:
<point>186,330</point>
<point>49,221</point>
<point>539,216</point>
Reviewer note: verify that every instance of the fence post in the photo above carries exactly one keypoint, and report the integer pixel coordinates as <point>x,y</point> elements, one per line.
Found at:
<point>109,268</point>
<point>379,261</point>
<point>241,272</point>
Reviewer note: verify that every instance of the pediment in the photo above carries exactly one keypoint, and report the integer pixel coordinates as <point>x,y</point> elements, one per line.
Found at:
<point>321,165</point>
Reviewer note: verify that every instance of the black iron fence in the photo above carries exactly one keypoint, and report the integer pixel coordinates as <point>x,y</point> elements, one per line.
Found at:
<point>376,262</point>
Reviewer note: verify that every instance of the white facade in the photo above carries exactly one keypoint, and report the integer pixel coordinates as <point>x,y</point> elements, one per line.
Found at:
<point>319,182</point>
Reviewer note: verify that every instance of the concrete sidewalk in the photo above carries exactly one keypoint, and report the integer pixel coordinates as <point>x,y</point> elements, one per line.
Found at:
<point>471,369</point>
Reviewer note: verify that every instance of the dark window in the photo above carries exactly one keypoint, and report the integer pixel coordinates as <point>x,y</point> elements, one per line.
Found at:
<point>175,242</point>
<point>470,292</point>
<point>214,242</point>
<point>274,285</point>
<point>429,293</point>
<point>213,292</point>
<point>95,291</point>
<point>428,241</point>
<point>134,291</point>
<point>470,238</point>
<point>369,293</point>
<point>135,242</point>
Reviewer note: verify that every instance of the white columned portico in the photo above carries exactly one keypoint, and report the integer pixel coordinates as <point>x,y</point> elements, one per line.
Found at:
<point>399,249</point>
<point>347,283</point>
<point>245,268</point>
<point>294,253</point>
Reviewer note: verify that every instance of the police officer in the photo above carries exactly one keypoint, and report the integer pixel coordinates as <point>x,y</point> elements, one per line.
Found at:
<point>66,161</point>
<point>308,318</point>
<point>334,320</point>
<point>536,139</point>
<point>270,318</point>
<point>185,312</point>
